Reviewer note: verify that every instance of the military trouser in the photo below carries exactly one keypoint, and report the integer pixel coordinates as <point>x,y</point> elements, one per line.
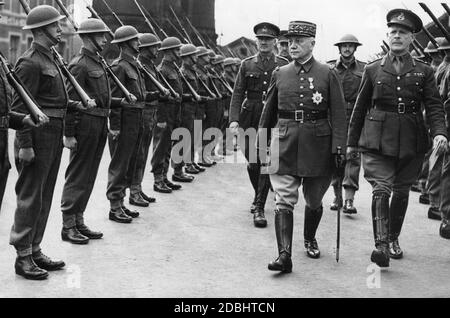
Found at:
<point>423,177</point>
<point>3,180</point>
<point>162,144</point>
<point>445,189</point>
<point>35,186</point>
<point>4,163</point>
<point>122,149</point>
<point>434,185</point>
<point>83,168</point>
<point>209,122</point>
<point>188,112</point>
<point>227,141</point>
<point>198,141</point>
<point>141,151</point>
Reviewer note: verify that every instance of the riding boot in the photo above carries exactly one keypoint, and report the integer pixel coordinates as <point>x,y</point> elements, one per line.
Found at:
<point>337,202</point>
<point>262,190</point>
<point>284,225</point>
<point>397,211</point>
<point>380,220</point>
<point>312,221</point>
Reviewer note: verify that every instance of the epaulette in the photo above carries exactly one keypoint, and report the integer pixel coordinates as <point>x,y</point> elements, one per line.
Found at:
<point>277,69</point>
<point>77,59</point>
<point>376,60</point>
<point>249,58</point>
<point>423,62</point>
<point>331,62</point>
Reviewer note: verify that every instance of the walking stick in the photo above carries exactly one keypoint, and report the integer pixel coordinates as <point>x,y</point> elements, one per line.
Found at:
<point>338,238</point>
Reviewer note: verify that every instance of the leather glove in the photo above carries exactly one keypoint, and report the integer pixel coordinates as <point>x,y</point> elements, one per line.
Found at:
<point>70,143</point>
<point>26,156</point>
<point>339,161</point>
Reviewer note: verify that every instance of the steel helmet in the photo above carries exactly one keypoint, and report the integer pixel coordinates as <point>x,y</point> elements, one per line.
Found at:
<point>170,43</point>
<point>218,60</point>
<point>238,61</point>
<point>41,16</point>
<point>348,38</point>
<point>92,25</point>
<point>148,39</point>
<point>125,33</point>
<point>229,61</point>
<point>431,48</point>
<point>211,54</point>
<point>188,49</point>
<point>201,51</point>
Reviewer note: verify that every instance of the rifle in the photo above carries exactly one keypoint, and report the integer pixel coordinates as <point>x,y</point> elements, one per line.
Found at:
<point>85,99</point>
<point>386,45</point>
<point>96,15</point>
<point>384,49</point>
<point>430,37</point>
<point>224,83</point>
<point>147,21</point>
<point>112,12</point>
<point>125,91</point>
<point>197,97</point>
<point>178,31</point>
<point>211,94</point>
<point>218,94</point>
<point>35,112</point>
<point>154,22</point>
<point>436,21</point>
<point>196,32</point>
<point>181,26</point>
<point>338,235</point>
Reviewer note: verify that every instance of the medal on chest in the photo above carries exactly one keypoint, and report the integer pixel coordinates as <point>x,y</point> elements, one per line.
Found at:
<point>317,98</point>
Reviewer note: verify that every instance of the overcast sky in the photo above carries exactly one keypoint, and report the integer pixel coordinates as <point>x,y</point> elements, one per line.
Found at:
<point>364,18</point>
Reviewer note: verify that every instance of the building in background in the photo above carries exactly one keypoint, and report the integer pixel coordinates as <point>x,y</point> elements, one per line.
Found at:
<point>242,47</point>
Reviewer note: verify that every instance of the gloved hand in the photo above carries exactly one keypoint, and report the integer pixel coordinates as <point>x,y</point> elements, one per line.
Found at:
<point>70,143</point>
<point>26,156</point>
<point>339,161</point>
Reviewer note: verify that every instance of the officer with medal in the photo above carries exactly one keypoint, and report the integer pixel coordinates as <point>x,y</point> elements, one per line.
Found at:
<point>250,89</point>
<point>349,71</point>
<point>387,125</point>
<point>305,105</point>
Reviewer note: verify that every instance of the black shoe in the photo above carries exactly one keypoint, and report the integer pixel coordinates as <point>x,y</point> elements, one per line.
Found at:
<point>434,213</point>
<point>119,216</point>
<point>259,220</point>
<point>147,198</point>
<point>337,204</point>
<point>349,208</point>
<point>191,170</point>
<point>200,169</point>
<point>416,188</point>
<point>137,200</point>
<point>83,229</point>
<point>172,186</point>
<point>253,208</point>
<point>282,264</point>
<point>182,177</point>
<point>161,187</point>
<point>424,199</point>
<point>73,236</point>
<point>395,250</point>
<point>380,256</point>
<point>205,164</point>
<point>45,262</point>
<point>312,249</point>
<point>444,230</point>
<point>27,268</point>
<point>132,214</point>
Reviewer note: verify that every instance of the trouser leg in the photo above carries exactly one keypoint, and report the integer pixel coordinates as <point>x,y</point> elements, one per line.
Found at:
<point>3,180</point>
<point>433,185</point>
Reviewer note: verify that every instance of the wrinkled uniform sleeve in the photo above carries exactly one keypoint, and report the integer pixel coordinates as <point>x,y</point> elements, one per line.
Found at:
<point>269,113</point>
<point>238,95</point>
<point>362,105</point>
<point>337,112</point>
<point>435,110</point>
<point>115,117</point>
<point>161,113</point>
<point>78,70</point>
<point>29,73</point>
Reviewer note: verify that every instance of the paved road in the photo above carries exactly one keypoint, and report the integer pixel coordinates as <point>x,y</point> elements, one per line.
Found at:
<point>200,242</point>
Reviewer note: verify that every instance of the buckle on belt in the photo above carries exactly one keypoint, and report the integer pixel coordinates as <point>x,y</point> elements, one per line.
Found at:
<point>401,108</point>
<point>299,115</point>
<point>4,122</point>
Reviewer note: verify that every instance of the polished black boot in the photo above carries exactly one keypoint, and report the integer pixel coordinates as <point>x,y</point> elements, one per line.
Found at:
<point>444,230</point>
<point>191,169</point>
<point>312,220</point>
<point>259,220</point>
<point>132,214</point>
<point>253,174</point>
<point>26,267</point>
<point>196,166</point>
<point>262,190</point>
<point>137,200</point>
<point>73,236</point>
<point>349,208</point>
<point>337,202</point>
<point>424,199</point>
<point>161,187</point>
<point>397,212</point>
<point>182,177</point>
<point>284,225</point>
<point>434,213</point>
<point>45,262</point>
<point>172,186</point>
<point>380,220</point>
<point>86,231</point>
<point>118,215</point>
<point>147,198</point>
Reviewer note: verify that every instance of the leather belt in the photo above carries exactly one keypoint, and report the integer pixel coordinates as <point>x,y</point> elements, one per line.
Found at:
<point>138,105</point>
<point>4,122</point>
<point>54,112</point>
<point>401,108</point>
<point>303,115</point>
<point>99,112</point>
<point>255,96</point>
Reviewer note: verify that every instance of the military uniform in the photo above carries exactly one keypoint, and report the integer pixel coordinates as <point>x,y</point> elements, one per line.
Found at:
<point>250,89</point>
<point>8,119</point>
<point>306,107</point>
<point>90,128</point>
<point>350,77</point>
<point>388,126</point>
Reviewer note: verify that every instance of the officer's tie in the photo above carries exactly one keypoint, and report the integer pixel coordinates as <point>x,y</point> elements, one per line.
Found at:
<point>398,63</point>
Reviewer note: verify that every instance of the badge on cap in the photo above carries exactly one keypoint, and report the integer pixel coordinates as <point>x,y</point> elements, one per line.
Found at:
<point>401,17</point>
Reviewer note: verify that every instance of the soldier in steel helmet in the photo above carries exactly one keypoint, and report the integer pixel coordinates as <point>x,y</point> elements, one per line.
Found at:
<point>305,105</point>
<point>387,126</point>
<point>9,119</point>
<point>126,123</point>
<point>349,71</point>
<point>252,84</point>
<point>283,46</point>
<point>85,132</point>
<point>38,150</point>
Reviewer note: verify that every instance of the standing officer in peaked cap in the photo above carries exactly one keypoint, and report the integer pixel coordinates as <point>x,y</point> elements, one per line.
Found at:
<point>349,71</point>
<point>252,84</point>
<point>126,123</point>
<point>388,127</point>
<point>38,150</point>
<point>85,132</point>
<point>305,105</point>
<point>9,119</point>
<point>283,46</point>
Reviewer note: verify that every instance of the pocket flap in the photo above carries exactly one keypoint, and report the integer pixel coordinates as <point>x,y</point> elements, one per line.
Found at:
<point>50,72</point>
<point>95,74</point>
<point>132,75</point>
<point>376,116</point>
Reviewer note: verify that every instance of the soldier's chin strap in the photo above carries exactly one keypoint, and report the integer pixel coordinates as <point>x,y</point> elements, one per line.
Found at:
<point>53,39</point>
<point>132,48</point>
<point>94,42</point>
